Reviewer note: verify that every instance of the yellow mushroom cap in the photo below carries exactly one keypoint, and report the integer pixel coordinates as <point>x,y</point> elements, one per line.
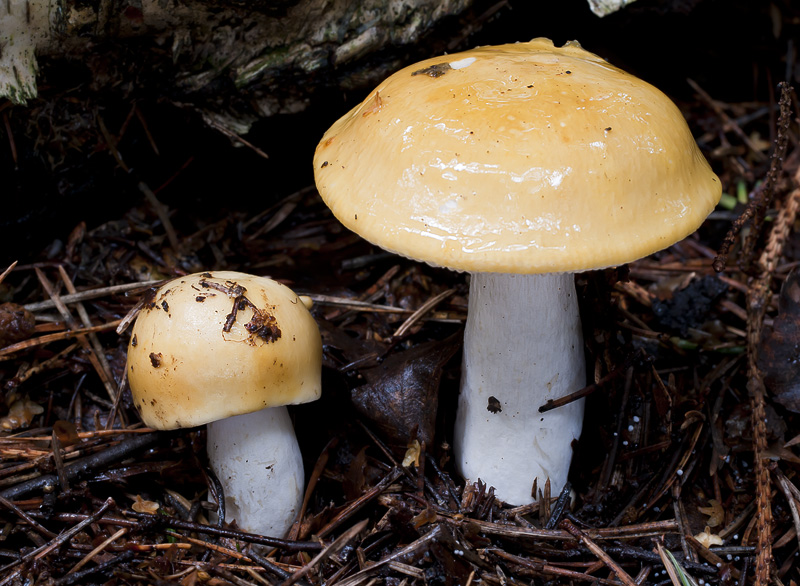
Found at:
<point>519,158</point>
<point>193,360</point>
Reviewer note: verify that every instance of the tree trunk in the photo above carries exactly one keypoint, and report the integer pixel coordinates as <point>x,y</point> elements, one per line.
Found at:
<point>218,54</point>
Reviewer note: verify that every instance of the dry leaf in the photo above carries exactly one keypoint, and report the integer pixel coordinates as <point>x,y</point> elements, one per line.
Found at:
<point>707,539</point>
<point>412,454</point>
<point>691,418</point>
<point>716,514</point>
<point>143,506</point>
<point>354,480</point>
<point>425,517</point>
<point>20,414</point>
<point>792,442</point>
<point>190,579</point>
<point>16,324</point>
<point>779,452</point>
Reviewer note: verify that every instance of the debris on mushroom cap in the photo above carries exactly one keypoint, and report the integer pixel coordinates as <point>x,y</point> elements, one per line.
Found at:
<point>520,158</point>
<point>211,345</point>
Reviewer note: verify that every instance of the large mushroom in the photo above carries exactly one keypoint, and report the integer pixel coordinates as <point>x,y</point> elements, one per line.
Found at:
<point>231,350</point>
<point>520,164</point>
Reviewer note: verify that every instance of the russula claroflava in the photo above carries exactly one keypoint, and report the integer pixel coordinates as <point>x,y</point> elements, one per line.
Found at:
<point>520,164</point>
<point>230,350</point>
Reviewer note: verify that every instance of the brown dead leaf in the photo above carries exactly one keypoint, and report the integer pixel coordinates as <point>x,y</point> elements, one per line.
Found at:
<point>792,442</point>
<point>16,324</point>
<point>778,451</point>
<point>716,514</point>
<point>142,506</point>
<point>691,418</point>
<point>425,517</point>
<point>412,454</point>
<point>20,414</point>
<point>190,579</point>
<point>355,478</point>
<point>402,395</point>
<point>67,433</point>
<point>779,357</point>
<point>340,348</point>
<point>707,539</point>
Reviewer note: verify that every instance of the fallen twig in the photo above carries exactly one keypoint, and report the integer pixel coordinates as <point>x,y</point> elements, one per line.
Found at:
<point>58,541</point>
<point>758,297</point>
<point>88,464</point>
<point>330,550</point>
<point>47,338</point>
<point>570,527</point>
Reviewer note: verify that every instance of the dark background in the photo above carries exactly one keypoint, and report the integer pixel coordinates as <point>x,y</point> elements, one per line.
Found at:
<point>737,50</point>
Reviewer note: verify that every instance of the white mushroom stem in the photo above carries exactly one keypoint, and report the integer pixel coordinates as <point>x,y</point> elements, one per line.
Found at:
<point>523,345</point>
<point>258,462</point>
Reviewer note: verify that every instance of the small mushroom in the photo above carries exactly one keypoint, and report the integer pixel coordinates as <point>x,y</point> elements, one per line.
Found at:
<point>521,164</point>
<point>231,350</point>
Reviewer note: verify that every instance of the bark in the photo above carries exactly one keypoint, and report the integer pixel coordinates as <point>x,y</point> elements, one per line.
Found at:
<point>208,53</point>
<point>606,7</point>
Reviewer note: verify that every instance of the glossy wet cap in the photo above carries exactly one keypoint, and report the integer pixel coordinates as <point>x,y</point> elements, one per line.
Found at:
<point>211,345</point>
<point>521,158</point>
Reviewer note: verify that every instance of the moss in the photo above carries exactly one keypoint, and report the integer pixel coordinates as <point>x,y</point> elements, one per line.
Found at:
<point>274,58</point>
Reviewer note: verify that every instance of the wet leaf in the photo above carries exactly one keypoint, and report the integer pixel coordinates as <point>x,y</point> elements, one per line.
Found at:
<point>402,395</point>
<point>779,358</point>
<point>67,432</point>
<point>355,478</point>
<point>738,426</point>
<point>340,348</point>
